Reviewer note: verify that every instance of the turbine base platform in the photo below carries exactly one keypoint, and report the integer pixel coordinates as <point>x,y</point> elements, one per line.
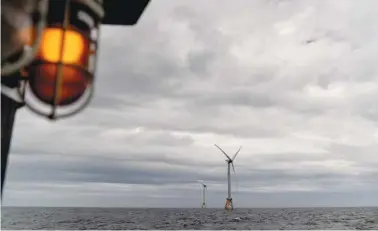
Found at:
<point>203,205</point>
<point>229,205</point>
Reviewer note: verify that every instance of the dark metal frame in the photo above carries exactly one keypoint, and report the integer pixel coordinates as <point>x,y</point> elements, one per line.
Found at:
<point>8,112</point>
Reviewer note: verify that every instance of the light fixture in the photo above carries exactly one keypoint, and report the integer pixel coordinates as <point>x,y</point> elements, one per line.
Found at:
<point>58,82</point>
<point>54,73</point>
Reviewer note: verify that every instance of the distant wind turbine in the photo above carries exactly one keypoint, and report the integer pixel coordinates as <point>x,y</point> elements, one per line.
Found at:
<point>204,188</point>
<point>230,161</point>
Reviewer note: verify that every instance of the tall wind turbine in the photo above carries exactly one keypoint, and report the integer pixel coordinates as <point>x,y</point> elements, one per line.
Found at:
<point>204,188</point>
<point>230,161</point>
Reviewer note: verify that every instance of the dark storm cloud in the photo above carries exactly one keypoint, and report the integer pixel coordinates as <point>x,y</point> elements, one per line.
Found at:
<point>161,171</point>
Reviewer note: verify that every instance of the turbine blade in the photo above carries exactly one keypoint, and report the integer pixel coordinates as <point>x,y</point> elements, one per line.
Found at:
<point>233,158</point>
<point>233,167</point>
<point>223,152</point>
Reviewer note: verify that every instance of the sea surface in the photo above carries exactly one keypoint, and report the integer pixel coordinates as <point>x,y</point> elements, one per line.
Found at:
<point>210,219</point>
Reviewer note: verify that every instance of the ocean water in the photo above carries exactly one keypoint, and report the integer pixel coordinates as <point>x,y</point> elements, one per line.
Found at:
<point>210,219</point>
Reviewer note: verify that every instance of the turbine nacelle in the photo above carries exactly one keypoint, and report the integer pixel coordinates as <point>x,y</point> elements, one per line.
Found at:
<point>201,182</point>
<point>229,159</point>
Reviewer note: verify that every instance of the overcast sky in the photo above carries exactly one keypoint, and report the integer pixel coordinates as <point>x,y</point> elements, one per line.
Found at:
<point>293,81</point>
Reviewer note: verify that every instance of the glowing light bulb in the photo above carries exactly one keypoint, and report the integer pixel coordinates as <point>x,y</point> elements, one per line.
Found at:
<point>51,46</point>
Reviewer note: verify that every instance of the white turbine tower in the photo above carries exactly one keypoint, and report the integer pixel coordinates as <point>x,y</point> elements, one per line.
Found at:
<point>230,161</point>
<point>204,188</point>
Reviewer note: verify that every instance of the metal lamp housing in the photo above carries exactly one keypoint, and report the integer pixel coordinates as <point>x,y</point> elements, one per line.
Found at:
<point>59,81</point>
<point>14,16</point>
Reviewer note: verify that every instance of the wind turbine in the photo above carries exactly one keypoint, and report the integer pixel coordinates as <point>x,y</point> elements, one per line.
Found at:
<point>204,188</point>
<point>230,161</point>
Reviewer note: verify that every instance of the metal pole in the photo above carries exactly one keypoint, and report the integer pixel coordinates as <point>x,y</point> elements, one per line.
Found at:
<point>8,112</point>
<point>204,195</point>
<point>229,180</point>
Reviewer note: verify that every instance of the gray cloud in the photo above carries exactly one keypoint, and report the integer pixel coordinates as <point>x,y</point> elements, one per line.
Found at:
<point>294,82</point>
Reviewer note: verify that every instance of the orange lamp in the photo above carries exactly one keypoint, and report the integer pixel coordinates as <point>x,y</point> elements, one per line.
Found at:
<point>62,53</point>
<point>62,72</point>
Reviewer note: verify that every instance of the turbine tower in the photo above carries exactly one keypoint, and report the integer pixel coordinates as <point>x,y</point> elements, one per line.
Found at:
<point>230,161</point>
<point>204,188</point>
